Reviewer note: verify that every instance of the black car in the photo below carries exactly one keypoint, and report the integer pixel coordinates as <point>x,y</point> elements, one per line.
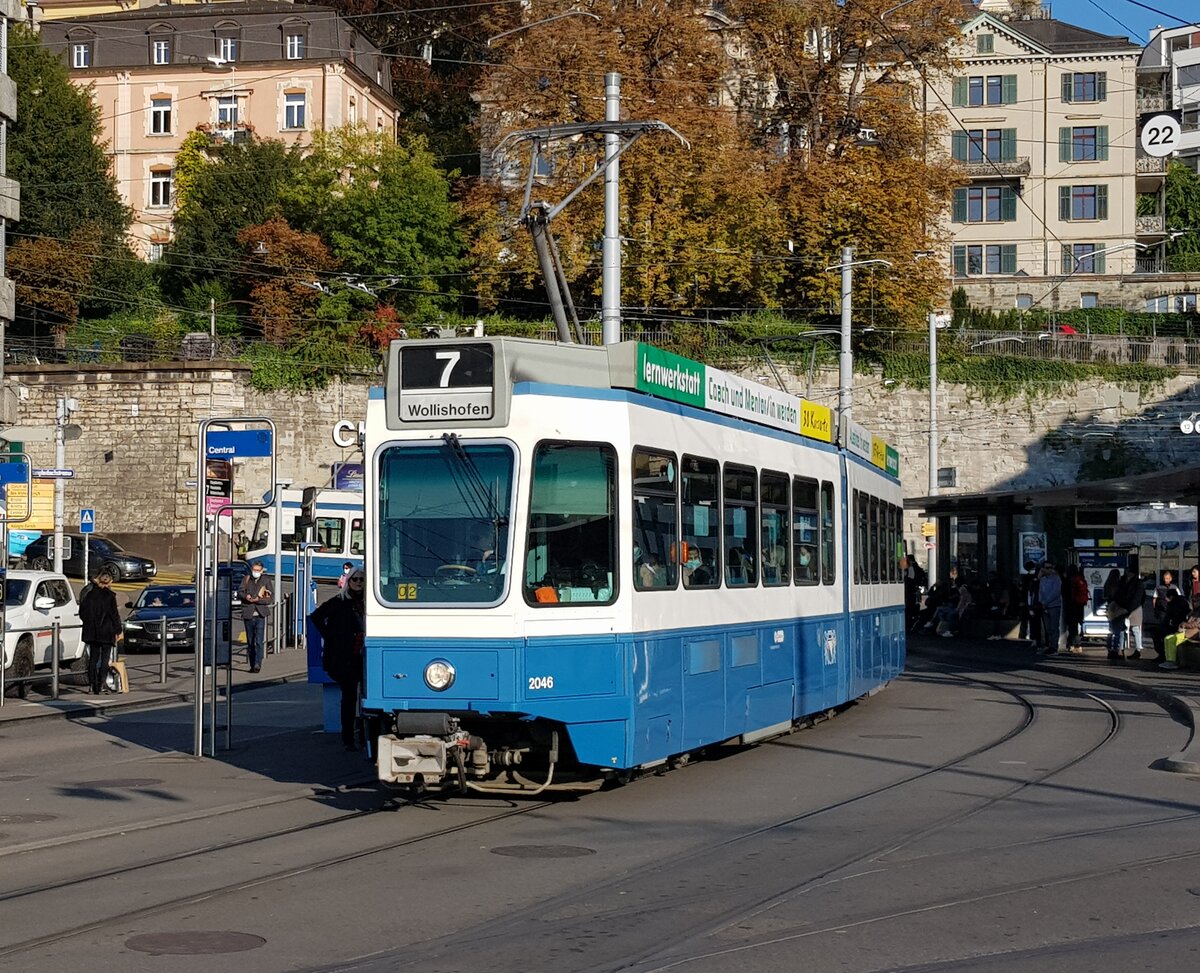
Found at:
<point>103,552</point>
<point>170,604</point>
<point>235,571</point>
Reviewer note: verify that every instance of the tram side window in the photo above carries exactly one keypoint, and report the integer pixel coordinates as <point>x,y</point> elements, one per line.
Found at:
<point>828,534</point>
<point>806,530</point>
<point>261,534</point>
<point>860,538</point>
<point>330,534</point>
<point>701,511</point>
<point>358,536</point>
<point>776,551</point>
<point>875,538</point>
<point>655,520</point>
<point>571,553</point>
<point>741,515</point>
<point>893,544</point>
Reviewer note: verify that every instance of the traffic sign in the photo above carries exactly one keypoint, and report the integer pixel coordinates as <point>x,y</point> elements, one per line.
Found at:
<point>226,444</point>
<point>53,473</point>
<point>87,520</point>
<point>928,529</point>
<point>1159,134</point>
<point>13,473</point>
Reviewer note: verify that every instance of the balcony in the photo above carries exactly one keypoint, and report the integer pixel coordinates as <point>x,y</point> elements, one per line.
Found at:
<point>1150,101</point>
<point>996,170</point>
<point>227,134</point>
<point>1150,226</point>
<point>1148,263</point>
<point>1148,165</point>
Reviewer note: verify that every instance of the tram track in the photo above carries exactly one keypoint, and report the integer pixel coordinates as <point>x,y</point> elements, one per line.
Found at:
<point>495,934</point>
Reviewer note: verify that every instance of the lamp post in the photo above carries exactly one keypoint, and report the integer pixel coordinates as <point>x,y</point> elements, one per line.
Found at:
<point>846,355</point>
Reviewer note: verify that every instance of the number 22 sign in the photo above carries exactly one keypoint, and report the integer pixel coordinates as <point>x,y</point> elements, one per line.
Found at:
<point>1159,134</point>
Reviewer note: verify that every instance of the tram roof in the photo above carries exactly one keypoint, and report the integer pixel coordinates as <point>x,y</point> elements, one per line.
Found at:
<point>1176,485</point>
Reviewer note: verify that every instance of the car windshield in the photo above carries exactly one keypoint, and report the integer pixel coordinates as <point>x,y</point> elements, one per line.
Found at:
<point>15,592</point>
<point>163,597</point>
<point>103,544</point>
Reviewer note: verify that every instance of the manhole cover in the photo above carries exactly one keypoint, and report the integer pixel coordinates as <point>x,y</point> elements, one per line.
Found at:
<point>120,782</point>
<point>194,943</point>
<point>543,851</point>
<point>888,736</point>
<point>27,818</point>
<point>13,778</point>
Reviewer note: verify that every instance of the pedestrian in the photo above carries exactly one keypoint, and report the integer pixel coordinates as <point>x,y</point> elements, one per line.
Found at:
<point>1030,627</point>
<point>1075,601</point>
<point>341,620</point>
<point>101,626</point>
<point>1115,611</point>
<point>911,573</point>
<point>347,567</point>
<point>1133,598</point>
<point>1161,625</point>
<point>258,594</point>
<point>1193,590</point>
<point>241,545</point>
<point>1050,599</point>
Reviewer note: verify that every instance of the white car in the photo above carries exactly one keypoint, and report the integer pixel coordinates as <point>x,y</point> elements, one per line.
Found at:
<point>33,602</point>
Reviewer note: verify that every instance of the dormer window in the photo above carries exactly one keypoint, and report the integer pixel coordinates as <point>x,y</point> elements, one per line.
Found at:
<point>81,48</point>
<point>295,40</point>
<point>162,44</point>
<point>985,43</point>
<point>228,41</point>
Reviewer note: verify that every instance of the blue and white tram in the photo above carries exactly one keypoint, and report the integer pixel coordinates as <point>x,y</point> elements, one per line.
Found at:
<point>602,559</point>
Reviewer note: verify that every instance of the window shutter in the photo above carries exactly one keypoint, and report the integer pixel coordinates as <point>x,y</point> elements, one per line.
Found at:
<point>960,261</point>
<point>1008,204</point>
<point>960,206</point>
<point>1098,261</point>
<point>1102,143</point>
<point>1101,85</point>
<point>1064,144</point>
<point>1068,81</point>
<point>1008,145</point>
<point>1008,258</point>
<point>1101,202</point>
<point>958,146</point>
<point>1064,203</point>
<point>959,96</point>
<point>1009,90</point>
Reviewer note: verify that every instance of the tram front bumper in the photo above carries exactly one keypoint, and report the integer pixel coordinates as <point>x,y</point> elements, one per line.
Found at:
<point>400,761</point>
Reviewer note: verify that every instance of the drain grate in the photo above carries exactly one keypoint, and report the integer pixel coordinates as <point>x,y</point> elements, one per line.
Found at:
<point>543,851</point>
<point>120,782</point>
<point>194,943</point>
<point>27,818</point>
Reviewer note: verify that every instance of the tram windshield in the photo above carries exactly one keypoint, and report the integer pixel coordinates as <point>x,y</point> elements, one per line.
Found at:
<point>444,513</point>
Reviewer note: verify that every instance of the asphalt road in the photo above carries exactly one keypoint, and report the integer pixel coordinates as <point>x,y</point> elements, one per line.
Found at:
<point>961,819</point>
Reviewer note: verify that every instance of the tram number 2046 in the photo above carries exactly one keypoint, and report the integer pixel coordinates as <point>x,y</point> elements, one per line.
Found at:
<point>541,682</point>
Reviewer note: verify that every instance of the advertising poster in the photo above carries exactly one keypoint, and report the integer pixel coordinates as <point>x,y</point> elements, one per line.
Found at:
<point>43,505</point>
<point>348,476</point>
<point>1033,548</point>
<point>218,484</point>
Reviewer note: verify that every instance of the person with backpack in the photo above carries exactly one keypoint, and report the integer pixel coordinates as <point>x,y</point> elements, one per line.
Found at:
<point>1075,601</point>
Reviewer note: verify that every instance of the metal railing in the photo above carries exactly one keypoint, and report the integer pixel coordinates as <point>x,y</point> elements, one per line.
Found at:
<point>1172,351</point>
<point>56,661</point>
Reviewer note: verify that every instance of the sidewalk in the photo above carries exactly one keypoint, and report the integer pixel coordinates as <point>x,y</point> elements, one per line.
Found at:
<point>145,689</point>
<point>1177,691</point>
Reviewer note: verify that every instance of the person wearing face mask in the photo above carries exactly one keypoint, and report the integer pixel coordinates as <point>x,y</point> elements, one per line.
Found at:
<point>341,620</point>
<point>258,594</point>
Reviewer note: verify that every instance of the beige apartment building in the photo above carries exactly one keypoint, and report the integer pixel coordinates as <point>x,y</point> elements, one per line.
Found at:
<point>274,69</point>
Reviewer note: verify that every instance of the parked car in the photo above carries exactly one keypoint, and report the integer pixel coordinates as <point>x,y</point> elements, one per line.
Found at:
<point>103,552</point>
<point>235,571</point>
<point>171,604</point>
<point>33,602</point>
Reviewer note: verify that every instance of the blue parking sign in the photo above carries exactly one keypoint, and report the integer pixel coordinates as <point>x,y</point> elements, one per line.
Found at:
<point>87,520</point>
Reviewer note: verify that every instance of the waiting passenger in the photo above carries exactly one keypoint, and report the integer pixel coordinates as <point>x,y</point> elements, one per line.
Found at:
<point>651,573</point>
<point>804,563</point>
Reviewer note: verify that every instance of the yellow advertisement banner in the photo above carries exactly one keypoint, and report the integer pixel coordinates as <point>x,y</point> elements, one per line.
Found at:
<point>816,421</point>
<point>43,505</point>
<point>879,452</point>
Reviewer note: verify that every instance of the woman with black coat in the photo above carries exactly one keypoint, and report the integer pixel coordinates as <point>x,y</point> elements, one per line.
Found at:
<point>101,626</point>
<point>342,623</point>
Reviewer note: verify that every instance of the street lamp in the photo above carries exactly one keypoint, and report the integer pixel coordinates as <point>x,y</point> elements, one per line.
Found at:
<point>846,356</point>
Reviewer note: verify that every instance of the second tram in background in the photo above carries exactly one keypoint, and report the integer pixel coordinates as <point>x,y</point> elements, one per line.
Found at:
<point>337,528</point>
<point>598,560</point>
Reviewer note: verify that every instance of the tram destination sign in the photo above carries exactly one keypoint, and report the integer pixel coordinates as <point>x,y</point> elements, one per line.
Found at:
<point>445,382</point>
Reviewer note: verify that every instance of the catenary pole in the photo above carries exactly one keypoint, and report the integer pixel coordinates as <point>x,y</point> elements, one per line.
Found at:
<point>610,314</point>
<point>845,358</point>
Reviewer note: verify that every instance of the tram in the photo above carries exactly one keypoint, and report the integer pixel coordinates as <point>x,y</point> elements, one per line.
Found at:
<point>594,561</point>
<point>337,528</point>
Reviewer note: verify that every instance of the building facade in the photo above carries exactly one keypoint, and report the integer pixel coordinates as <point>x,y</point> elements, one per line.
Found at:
<point>274,69</point>
<point>1170,71</point>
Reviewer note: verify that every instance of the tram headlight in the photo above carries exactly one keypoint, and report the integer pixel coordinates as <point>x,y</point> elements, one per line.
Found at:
<point>439,675</point>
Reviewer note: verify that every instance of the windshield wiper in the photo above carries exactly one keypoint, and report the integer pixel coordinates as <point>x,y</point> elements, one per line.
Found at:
<point>481,495</point>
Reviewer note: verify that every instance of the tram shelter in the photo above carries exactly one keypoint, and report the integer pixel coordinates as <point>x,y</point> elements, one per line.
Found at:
<point>1065,513</point>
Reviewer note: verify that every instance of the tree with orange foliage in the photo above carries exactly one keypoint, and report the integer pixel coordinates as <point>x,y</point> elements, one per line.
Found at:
<point>280,281</point>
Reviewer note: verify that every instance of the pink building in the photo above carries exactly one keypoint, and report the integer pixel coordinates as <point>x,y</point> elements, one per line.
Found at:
<point>279,70</point>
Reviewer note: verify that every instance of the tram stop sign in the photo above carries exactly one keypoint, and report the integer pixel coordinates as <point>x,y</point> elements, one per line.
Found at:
<point>87,520</point>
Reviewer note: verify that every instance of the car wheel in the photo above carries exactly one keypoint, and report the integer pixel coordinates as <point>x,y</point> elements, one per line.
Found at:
<point>41,563</point>
<point>22,665</point>
<point>113,569</point>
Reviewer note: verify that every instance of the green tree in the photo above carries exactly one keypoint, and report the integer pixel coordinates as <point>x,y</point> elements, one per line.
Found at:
<point>1183,214</point>
<point>384,210</point>
<point>54,149</point>
<point>238,186</point>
